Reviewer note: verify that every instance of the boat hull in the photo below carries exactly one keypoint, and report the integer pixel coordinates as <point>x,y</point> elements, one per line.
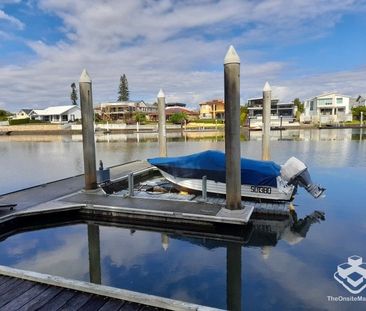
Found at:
<point>283,192</point>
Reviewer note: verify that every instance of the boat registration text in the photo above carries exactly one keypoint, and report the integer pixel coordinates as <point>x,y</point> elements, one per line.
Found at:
<point>255,189</point>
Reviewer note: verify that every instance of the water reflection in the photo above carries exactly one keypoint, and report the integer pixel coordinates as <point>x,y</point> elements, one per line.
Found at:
<point>94,254</point>
<point>265,232</point>
<point>30,160</point>
<point>161,263</point>
<point>212,135</point>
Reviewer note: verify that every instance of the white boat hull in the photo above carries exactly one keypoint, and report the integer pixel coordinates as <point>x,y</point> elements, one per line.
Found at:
<point>283,192</point>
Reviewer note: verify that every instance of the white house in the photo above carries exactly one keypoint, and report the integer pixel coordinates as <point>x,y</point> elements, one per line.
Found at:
<point>328,108</point>
<point>57,114</point>
<point>23,114</point>
<point>359,101</point>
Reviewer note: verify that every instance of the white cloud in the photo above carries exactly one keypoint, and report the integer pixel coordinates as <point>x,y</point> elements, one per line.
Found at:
<point>350,82</point>
<point>16,22</point>
<point>177,45</point>
<point>63,260</point>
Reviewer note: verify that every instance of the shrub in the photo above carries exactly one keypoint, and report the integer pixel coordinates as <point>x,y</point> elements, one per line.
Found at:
<point>178,118</point>
<point>140,117</point>
<point>356,112</point>
<point>209,121</point>
<point>18,121</point>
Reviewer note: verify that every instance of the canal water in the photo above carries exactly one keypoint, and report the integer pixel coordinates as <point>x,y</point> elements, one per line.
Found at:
<point>281,265</point>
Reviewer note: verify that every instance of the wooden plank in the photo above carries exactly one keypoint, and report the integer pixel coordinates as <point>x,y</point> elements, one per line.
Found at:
<point>41,299</point>
<point>131,306</point>
<point>112,305</point>
<point>3,279</point>
<point>148,308</point>
<point>12,282</point>
<point>59,300</point>
<point>76,301</point>
<point>94,303</point>
<point>27,296</point>
<point>15,292</point>
<point>101,290</point>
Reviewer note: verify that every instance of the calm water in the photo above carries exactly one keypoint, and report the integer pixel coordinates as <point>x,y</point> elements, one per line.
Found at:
<point>32,160</point>
<point>285,265</point>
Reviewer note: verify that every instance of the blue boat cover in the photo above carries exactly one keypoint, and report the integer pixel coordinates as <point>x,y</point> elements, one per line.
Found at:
<point>212,164</point>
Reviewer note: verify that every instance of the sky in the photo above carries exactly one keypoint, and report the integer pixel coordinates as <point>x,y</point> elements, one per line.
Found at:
<point>302,48</point>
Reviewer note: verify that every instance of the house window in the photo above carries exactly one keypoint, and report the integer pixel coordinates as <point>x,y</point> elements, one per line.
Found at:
<point>325,101</point>
<point>339,100</point>
<point>311,105</point>
<point>64,117</point>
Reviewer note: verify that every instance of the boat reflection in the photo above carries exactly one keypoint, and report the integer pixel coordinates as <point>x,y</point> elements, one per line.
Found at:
<point>263,232</point>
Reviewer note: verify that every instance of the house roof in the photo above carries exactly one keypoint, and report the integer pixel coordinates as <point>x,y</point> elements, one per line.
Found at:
<point>55,110</point>
<point>122,103</point>
<point>213,102</point>
<point>175,104</point>
<point>177,109</point>
<point>27,111</point>
<point>331,93</point>
<point>260,98</point>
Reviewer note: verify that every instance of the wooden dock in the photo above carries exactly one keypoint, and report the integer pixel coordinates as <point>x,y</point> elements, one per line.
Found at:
<point>65,200</point>
<point>24,290</point>
<point>18,294</point>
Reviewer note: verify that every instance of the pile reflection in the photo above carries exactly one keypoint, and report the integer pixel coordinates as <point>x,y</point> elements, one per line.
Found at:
<point>263,232</point>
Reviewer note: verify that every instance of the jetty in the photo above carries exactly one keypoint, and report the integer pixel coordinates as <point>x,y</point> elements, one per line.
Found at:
<point>65,201</point>
<point>118,196</point>
<point>23,290</point>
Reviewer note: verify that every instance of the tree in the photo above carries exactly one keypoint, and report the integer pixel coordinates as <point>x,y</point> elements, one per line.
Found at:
<point>243,115</point>
<point>123,92</point>
<point>74,94</point>
<point>356,112</point>
<point>140,117</point>
<point>178,118</point>
<point>4,115</point>
<point>300,107</point>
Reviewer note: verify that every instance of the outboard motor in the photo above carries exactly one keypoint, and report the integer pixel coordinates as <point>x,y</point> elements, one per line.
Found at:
<point>296,173</point>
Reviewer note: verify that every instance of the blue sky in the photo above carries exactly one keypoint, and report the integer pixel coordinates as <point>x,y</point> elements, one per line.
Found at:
<point>303,48</point>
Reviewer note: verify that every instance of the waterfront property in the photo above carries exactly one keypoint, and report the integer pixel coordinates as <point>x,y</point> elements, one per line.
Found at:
<point>188,266</point>
<point>213,109</point>
<point>171,110</point>
<point>57,114</point>
<point>124,110</point>
<point>359,101</point>
<point>175,105</point>
<point>23,114</point>
<point>255,108</point>
<point>327,108</point>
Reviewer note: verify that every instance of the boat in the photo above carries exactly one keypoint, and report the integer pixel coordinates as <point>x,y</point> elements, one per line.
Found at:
<point>263,180</point>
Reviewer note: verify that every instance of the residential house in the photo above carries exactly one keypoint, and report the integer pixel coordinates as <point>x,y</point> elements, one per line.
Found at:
<point>112,111</point>
<point>175,105</point>
<point>214,109</point>
<point>169,111</point>
<point>359,101</point>
<point>57,114</point>
<point>23,114</point>
<point>327,108</point>
<point>255,108</point>
<point>191,115</point>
